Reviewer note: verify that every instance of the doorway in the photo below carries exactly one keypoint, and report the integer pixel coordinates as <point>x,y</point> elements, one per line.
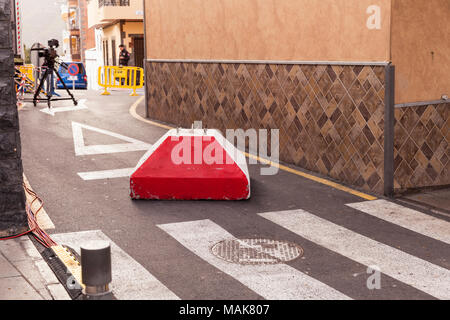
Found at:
<point>113,51</point>
<point>138,44</point>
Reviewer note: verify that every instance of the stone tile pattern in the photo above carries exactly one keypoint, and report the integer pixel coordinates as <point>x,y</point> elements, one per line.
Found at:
<point>422,146</point>
<point>330,117</point>
<point>13,218</point>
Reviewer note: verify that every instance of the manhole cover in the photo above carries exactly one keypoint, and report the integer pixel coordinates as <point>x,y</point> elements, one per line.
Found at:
<point>256,251</point>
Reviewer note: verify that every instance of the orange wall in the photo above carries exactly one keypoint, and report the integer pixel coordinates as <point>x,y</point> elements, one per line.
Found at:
<point>419,28</point>
<point>90,38</point>
<point>333,30</point>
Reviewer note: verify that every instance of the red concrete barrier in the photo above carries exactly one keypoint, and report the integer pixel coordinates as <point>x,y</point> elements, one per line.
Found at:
<point>191,165</point>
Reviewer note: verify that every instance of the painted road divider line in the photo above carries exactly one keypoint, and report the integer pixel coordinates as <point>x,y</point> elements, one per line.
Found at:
<point>135,115</point>
<point>106,174</point>
<point>313,178</point>
<point>327,182</point>
<point>130,280</point>
<point>271,281</point>
<point>397,264</point>
<point>407,218</point>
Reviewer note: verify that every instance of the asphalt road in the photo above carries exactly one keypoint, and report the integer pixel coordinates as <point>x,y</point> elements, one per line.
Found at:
<point>150,231</point>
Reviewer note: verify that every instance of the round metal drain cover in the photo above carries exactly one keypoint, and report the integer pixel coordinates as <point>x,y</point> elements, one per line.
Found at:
<point>256,251</point>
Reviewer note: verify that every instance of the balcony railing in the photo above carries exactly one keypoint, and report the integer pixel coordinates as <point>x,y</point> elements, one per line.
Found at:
<point>113,3</point>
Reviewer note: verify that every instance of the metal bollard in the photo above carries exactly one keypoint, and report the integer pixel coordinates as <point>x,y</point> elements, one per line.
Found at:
<point>96,270</point>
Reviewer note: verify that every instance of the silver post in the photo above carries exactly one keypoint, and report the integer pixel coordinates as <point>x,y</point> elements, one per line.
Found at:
<point>96,272</point>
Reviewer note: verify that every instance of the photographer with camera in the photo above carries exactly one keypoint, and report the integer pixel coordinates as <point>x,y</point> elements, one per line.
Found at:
<point>51,77</point>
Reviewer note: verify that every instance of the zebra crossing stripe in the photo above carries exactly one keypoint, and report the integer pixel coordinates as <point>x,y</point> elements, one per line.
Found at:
<point>274,282</point>
<point>407,218</point>
<point>397,264</point>
<point>130,280</point>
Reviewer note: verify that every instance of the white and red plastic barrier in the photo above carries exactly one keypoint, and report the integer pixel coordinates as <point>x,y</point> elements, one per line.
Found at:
<point>191,164</point>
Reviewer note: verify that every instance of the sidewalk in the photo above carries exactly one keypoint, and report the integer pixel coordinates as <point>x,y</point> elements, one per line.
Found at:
<point>437,201</point>
<point>24,275</point>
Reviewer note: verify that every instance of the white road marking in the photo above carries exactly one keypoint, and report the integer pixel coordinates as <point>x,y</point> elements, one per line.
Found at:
<point>407,218</point>
<point>397,264</point>
<point>51,111</point>
<point>106,174</point>
<point>81,149</point>
<point>274,282</point>
<point>130,280</point>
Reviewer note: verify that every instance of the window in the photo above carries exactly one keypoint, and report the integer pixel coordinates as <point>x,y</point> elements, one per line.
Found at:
<point>113,46</point>
<point>73,18</point>
<point>114,3</point>
<point>75,45</point>
<point>105,53</point>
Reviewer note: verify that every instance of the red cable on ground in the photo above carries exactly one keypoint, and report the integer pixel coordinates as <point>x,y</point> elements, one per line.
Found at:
<point>15,236</point>
<point>40,235</point>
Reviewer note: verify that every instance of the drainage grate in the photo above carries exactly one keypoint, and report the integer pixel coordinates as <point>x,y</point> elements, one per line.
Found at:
<point>256,251</point>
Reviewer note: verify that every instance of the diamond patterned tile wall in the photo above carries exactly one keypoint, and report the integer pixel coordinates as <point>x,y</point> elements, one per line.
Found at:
<point>422,146</point>
<point>330,117</point>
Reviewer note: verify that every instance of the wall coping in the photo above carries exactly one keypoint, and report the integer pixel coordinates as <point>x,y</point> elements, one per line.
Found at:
<point>351,63</point>
<point>422,103</point>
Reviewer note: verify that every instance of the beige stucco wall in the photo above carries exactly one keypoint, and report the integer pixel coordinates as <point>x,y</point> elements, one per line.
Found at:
<point>421,49</point>
<point>131,27</point>
<point>113,32</point>
<point>110,33</point>
<point>333,30</point>
<point>107,14</point>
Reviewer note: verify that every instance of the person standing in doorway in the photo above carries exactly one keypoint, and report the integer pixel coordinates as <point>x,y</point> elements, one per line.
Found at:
<point>124,57</point>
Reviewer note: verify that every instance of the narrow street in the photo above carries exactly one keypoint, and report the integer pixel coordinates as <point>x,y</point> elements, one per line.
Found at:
<point>167,249</point>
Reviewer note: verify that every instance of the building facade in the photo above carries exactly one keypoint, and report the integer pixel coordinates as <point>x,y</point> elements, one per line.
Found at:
<point>120,22</point>
<point>357,88</point>
<point>78,37</point>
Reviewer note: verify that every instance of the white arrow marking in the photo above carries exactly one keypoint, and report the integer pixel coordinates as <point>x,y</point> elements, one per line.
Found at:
<point>81,149</point>
<point>51,111</point>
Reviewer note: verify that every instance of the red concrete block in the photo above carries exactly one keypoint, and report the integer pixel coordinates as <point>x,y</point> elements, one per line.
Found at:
<point>191,165</point>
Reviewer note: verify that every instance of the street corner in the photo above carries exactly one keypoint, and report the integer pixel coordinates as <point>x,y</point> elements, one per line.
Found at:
<point>147,156</point>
